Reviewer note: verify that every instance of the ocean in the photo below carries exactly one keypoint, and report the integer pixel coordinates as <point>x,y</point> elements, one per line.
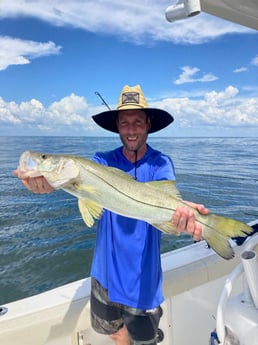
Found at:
<point>43,240</point>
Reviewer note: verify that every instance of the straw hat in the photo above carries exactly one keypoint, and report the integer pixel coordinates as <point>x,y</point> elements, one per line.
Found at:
<point>133,98</point>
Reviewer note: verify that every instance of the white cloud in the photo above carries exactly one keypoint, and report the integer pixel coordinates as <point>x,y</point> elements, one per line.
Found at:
<point>137,21</point>
<point>20,52</point>
<point>217,98</point>
<point>189,76</point>
<point>255,61</point>
<point>72,114</point>
<point>69,114</point>
<point>240,69</point>
<point>69,110</point>
<point>224,108</point>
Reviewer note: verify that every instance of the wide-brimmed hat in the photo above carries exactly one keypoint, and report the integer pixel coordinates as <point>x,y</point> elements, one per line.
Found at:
<point>133,98</point>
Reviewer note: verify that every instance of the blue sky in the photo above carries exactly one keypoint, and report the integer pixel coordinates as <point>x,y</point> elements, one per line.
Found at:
<point>54,55</point>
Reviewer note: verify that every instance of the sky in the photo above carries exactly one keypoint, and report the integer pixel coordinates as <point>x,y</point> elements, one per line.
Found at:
<point>54,56</point>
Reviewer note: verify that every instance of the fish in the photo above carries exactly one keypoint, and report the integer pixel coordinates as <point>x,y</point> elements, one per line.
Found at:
<point>99,187</point>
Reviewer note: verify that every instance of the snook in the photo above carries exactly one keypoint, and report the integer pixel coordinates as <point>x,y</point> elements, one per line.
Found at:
<point>99,187</point>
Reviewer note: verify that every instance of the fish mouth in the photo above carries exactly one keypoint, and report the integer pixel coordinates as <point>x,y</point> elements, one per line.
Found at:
<point>27,166</point>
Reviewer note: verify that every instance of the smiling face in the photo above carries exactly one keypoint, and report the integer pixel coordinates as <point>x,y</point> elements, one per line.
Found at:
<point>133,126</point>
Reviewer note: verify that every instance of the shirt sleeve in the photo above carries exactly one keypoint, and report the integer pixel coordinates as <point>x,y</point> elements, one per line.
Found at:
<point>98,158</point>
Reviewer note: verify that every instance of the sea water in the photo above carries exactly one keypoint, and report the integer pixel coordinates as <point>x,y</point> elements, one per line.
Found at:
<point>43,241</point>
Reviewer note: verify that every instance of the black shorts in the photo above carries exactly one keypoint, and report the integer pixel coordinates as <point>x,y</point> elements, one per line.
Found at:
<point>108,317</point>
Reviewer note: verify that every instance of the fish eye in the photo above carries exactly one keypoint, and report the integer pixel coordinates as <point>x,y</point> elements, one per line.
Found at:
<point>44,156</point>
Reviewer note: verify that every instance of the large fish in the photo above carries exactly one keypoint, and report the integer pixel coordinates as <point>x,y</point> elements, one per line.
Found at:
<point>99,187</point>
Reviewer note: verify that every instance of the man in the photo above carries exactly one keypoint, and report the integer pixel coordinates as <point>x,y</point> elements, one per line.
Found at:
<point>126,268</point>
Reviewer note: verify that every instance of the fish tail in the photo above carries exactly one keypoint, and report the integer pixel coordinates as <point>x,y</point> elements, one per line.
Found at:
<point>217,231</point>
<point>226,226</point>
<point>219,243</point>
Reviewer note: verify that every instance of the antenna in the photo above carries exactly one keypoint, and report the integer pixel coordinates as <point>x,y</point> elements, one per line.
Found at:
<point>102,99</point>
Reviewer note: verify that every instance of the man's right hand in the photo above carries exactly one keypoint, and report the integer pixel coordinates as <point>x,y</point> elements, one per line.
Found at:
<point>36,184</point>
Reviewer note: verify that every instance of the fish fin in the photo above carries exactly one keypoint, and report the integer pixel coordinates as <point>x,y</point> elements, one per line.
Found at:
<point>226,226</point>
<point>90,211</point>
<point>167,227</point>
<point>165,185</point>
<point>84,188</point>
<point>220,244</point>
<point>218,230</point>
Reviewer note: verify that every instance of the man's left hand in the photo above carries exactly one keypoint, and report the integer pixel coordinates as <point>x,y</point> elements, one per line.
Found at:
<point>184,220</point>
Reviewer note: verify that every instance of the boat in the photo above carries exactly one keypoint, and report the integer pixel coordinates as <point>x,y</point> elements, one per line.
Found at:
<point>200,289</point>
<point>208,300</point>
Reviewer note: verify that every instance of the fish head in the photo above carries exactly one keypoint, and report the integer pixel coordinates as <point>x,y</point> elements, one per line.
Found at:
<point>58,170</point>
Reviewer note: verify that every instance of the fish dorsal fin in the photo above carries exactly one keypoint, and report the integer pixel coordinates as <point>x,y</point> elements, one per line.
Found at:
<point>168,186</point>
<point>90,210</point>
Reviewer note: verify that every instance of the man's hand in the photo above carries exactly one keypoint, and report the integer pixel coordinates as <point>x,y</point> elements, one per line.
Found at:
<point>184,220</point>
<point>36,184</point>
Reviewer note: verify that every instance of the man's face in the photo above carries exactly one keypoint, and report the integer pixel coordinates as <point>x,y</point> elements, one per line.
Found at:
<point>133,126</point>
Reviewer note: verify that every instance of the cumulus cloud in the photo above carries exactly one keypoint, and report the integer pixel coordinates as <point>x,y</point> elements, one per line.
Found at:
<point>20,52</point>
<point>72,114</point>
<point>189,76</point>
<point>225,108</point>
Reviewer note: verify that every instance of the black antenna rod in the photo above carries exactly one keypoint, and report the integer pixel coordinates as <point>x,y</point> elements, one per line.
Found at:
<point>103,101</point>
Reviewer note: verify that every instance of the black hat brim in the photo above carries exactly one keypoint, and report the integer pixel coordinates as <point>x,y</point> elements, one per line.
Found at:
<point>159,119</point>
